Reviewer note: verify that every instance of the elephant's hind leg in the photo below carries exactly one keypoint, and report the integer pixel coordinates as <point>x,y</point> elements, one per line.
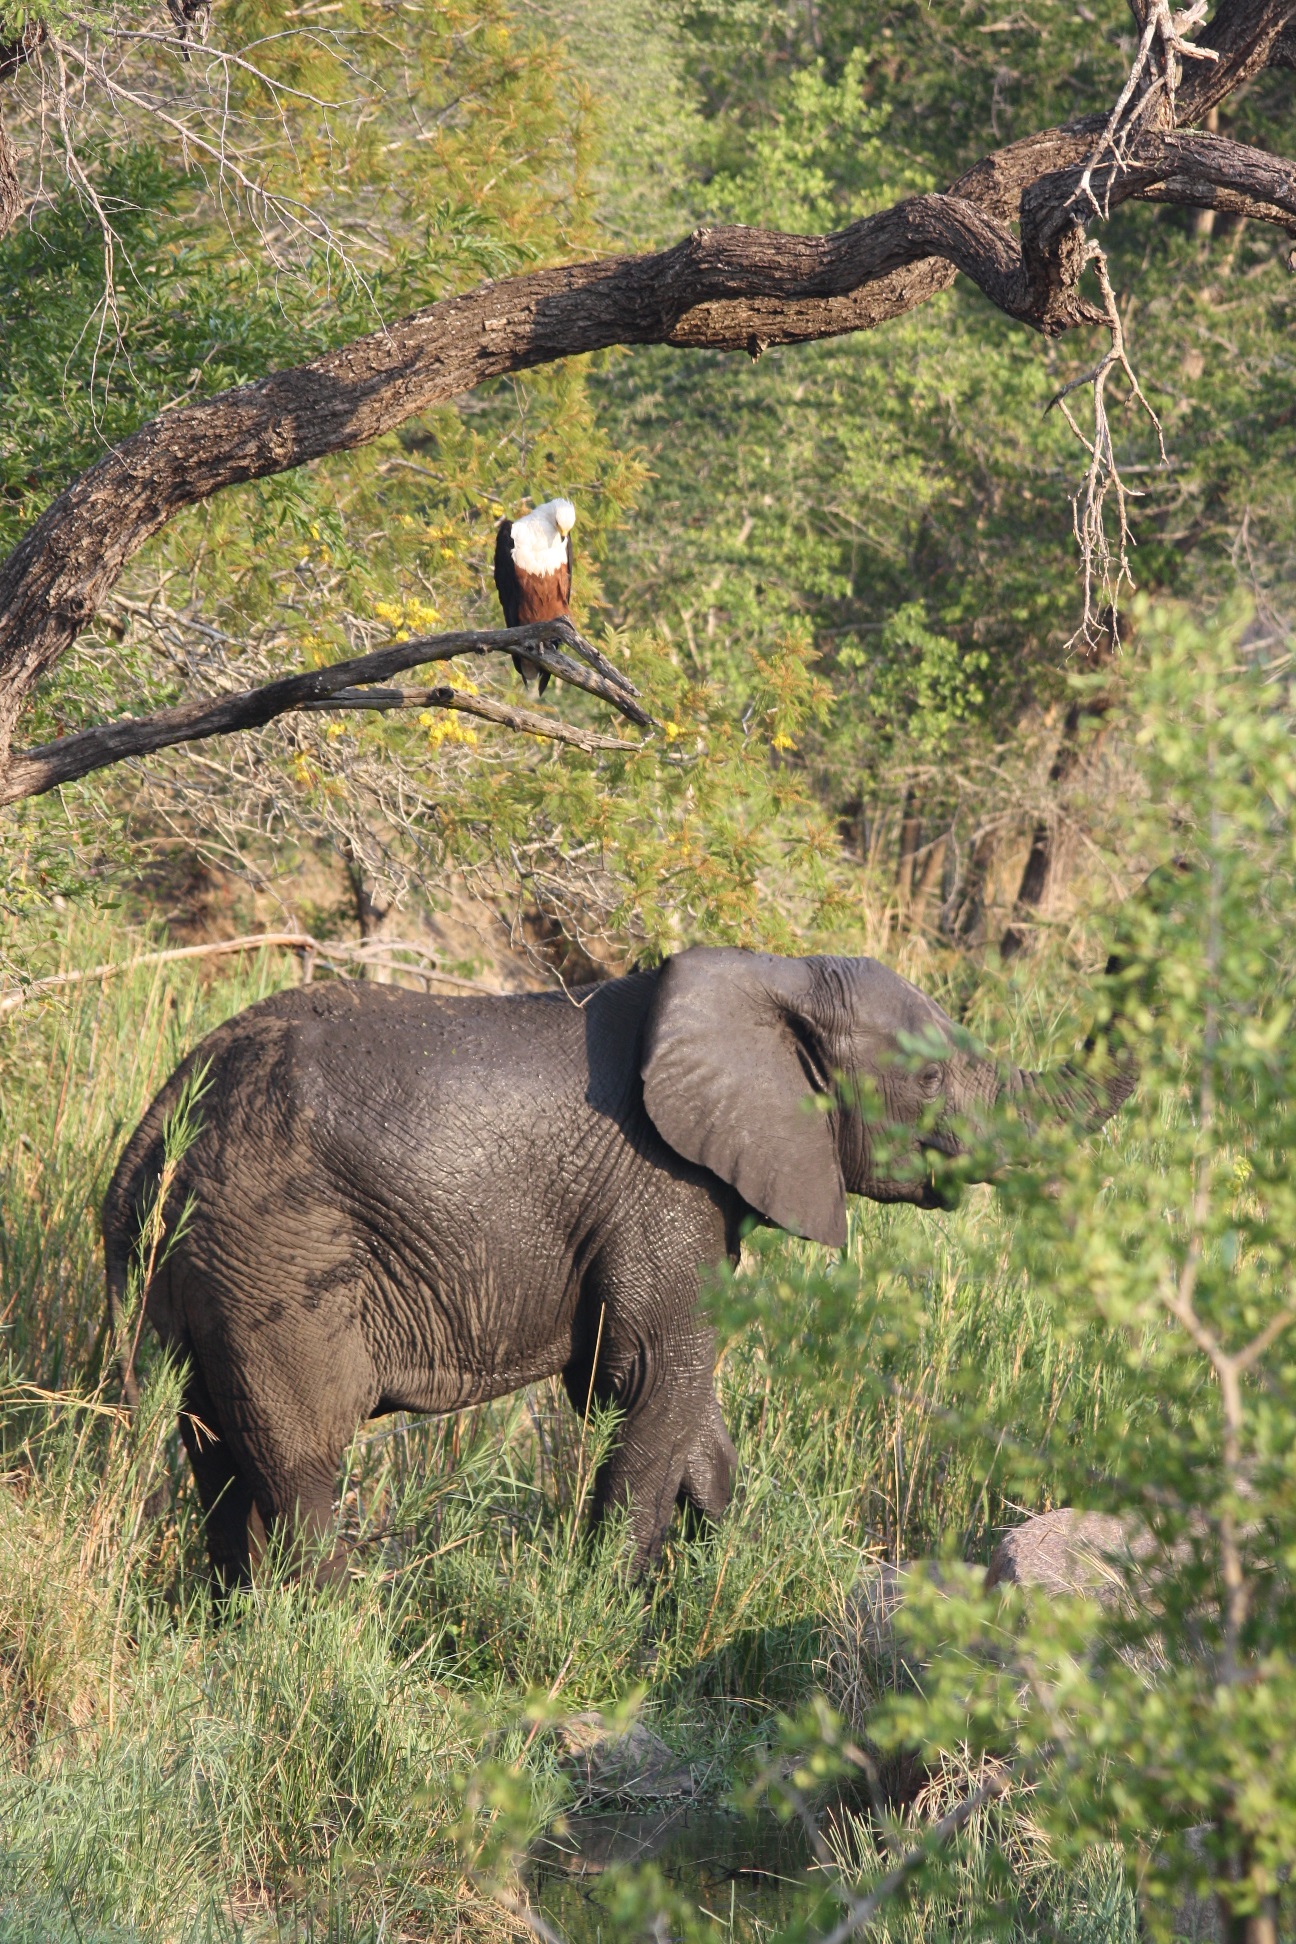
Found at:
<point>294,1495</point>
<point>224,1492</point>
<point>255,1481</point>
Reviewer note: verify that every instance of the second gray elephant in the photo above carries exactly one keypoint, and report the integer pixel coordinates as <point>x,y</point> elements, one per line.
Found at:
<point>407,1203</point>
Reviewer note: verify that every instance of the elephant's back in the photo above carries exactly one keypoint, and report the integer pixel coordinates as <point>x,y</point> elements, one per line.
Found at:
<point>368,1081</point>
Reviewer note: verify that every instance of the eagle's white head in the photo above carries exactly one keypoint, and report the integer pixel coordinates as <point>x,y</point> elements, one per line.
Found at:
<point>560,514</point>
<point>540,537</point>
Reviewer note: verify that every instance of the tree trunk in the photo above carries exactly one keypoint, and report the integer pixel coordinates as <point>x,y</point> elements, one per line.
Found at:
<point>1259,1927</point>
<point>10,187</point>
<point>13,55</point>
<point>368,913</point>
<point>1038,868</point>
<point>968,903</point>
<point>910,838</point>
<point>1030,892</point>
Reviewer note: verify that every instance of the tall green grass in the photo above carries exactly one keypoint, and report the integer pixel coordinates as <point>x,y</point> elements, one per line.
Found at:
<point>320,1765</point>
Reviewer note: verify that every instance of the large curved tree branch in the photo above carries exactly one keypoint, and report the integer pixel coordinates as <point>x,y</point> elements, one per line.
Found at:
<point>1246,36</point>
<point>722,289</point>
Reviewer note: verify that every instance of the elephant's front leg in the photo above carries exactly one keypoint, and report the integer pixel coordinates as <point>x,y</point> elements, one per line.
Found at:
<point>673,1449</point>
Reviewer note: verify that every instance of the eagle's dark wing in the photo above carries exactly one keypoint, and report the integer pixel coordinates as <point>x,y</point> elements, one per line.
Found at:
<point>510,594</point>
<point>506,585</point>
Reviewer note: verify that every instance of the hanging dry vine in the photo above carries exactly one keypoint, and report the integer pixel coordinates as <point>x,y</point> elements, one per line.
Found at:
<point>1104,567</point>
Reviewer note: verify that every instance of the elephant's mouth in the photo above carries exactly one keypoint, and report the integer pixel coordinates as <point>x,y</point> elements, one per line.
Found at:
<point>941,1189</point>
<point>931,1187</point>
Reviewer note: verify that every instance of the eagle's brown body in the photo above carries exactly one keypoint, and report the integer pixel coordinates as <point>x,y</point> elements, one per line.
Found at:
<point>536,597</point>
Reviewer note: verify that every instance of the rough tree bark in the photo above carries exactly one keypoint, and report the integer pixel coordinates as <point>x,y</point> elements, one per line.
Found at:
<point>726,289</point>
<point>10,186</point>
<point>13,55</point>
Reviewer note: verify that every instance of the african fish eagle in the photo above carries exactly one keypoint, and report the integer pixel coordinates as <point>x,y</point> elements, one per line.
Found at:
<point>533,571</point>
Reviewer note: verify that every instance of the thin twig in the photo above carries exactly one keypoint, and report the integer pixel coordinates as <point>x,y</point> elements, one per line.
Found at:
<point>252,942</point>
<point>1162,41</point>
<point>299,217</point>
<point>525,721</point>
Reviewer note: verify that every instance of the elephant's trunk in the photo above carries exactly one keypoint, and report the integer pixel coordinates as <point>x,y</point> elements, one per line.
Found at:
<point>1086,1097</point>
<point>1085,1094</point>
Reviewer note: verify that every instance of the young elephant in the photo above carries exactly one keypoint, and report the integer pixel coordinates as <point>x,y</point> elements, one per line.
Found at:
<point>407,1203</point>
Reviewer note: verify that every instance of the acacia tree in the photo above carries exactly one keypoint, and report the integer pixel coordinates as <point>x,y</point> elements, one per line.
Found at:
<point>1018,224</point>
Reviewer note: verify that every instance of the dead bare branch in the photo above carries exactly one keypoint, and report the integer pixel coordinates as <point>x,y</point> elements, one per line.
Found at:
<point>1150,82</point>
<point>525,721</point>
<point>34,771</point>
<point>1104,570</point>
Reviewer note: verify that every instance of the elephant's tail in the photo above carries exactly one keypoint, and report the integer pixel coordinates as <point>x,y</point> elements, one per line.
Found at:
<point>139,1168</point>
<point>117,1273</point>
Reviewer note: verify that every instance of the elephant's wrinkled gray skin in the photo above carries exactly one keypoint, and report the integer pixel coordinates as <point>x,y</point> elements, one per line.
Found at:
<point>406,1203</point>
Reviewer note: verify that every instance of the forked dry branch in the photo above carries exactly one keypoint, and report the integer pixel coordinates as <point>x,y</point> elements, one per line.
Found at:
<point>1016,224</point>
<point>345,685</point>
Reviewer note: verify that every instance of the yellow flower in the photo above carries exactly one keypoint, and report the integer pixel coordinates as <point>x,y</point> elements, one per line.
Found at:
<point>672,730</point>
<point>334,730</point>
<point>780,741</point>
<point>446,729</point>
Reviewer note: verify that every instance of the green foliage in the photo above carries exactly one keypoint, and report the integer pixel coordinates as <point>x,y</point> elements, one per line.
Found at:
<point>821,161</point>
<point>1158,1380</point>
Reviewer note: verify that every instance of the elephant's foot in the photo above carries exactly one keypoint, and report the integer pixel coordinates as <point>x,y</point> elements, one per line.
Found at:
<point>305,1516</point>
<point>680,1455</point>
<point>707,1484</point>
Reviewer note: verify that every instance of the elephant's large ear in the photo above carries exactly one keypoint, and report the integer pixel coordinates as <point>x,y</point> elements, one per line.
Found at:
<point>731,1062</point>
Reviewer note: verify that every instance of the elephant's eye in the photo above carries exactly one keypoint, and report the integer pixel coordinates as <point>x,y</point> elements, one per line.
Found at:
<point>931,1078</point>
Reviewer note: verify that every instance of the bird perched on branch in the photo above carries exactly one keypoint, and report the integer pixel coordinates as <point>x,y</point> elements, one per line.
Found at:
<point>533,571</point>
